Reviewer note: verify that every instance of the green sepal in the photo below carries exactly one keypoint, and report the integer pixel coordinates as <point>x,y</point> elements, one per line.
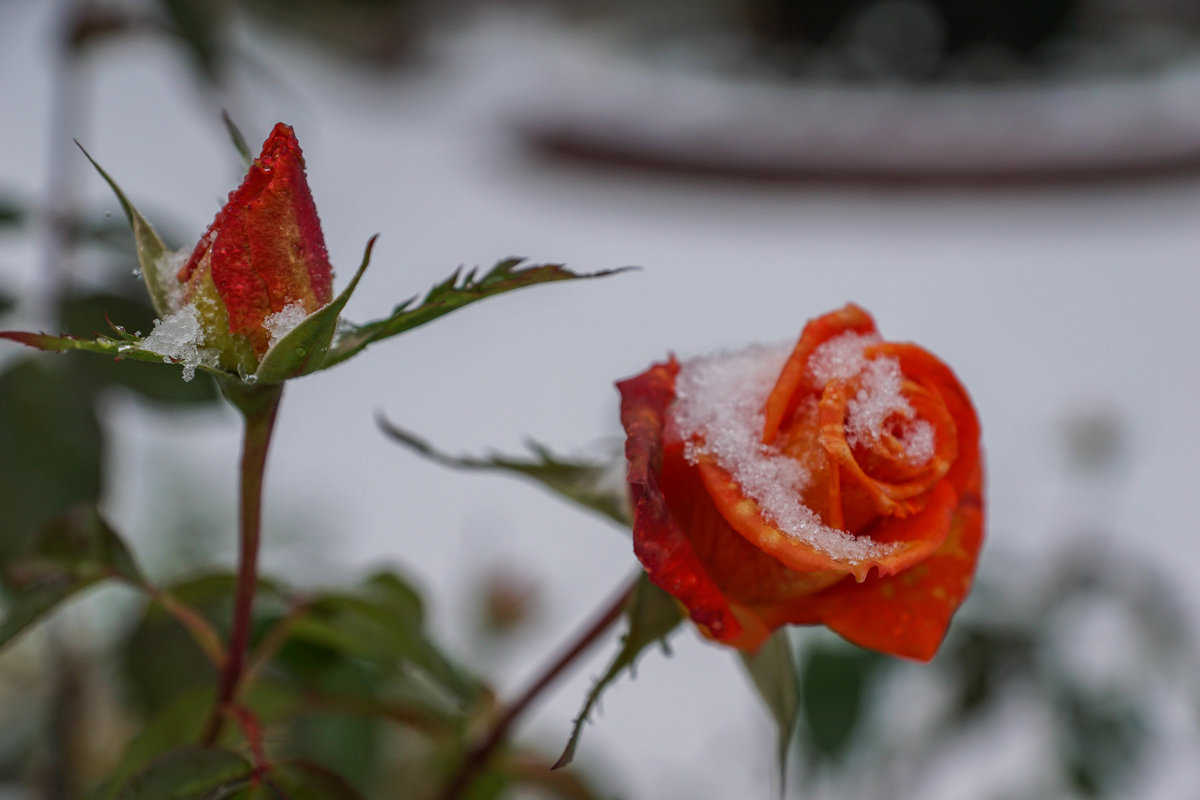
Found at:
<point>74,552</point>
<point>773,671</point>
<point>305,348</point>
<point>150,248</point>
<point>653,615</point>
<point>452,294</point>
<point>595,485</point>
<point>239,141</point>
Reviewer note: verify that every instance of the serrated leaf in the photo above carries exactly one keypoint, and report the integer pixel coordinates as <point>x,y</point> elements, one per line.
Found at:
<point>74,552</point>
<point>452,294</point>
<point>305,348</point>
<point>190,773</point>
<point>93,313</point>
<point>590,484</point>
<point>302,780</point>
<point>652,615</point>
<point>128,346</point>
<point>773,671</point>
<point>150,248</point>
<point>51,450</point>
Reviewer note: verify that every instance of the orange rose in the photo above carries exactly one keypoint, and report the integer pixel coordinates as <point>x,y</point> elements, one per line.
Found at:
<point>838,484</point>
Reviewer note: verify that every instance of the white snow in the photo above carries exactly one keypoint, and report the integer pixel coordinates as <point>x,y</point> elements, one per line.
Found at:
<point>166,267</point>
<point>879,400</point>
<point>718,409</point>
<point>284,321</point>
<point>178,338</point>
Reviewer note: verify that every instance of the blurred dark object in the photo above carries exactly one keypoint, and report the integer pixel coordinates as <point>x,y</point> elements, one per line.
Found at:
<point>911,38</point>
<point>378,33</point>
<point>507,600</point>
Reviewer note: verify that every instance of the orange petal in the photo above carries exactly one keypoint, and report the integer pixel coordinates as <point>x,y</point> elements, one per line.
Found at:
<point>658,540</point>
<point>787,392</point>
<point>906,614</point>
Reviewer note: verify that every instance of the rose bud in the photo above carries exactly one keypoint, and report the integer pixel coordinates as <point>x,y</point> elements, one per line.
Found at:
<point>258,271</point>
<point>837,482</point>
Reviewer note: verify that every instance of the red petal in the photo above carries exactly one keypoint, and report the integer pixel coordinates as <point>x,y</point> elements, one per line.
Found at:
<point>907,614</point>
<point>658,540</point>
<point>266,244</point>
<point>787,392</point>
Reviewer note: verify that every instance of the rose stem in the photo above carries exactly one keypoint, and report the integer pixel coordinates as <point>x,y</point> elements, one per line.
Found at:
<point>477,758</point>
<point>258,406</point>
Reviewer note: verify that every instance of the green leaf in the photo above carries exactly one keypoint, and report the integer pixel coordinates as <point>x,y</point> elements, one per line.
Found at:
<point>51,450</point>
<point>383,622</point>
<point>595,485</point>
<point>150,248</point>
<point>175,725</point>
<point>652,615</point>
<point>128,346</point>
<point>190,773</point>
<point>306,347</point>
<point>91,313</point>
<point>239,141</point>
<point>302,780</point>
<point>455,292</point>
<point>74,552</point>
<point>833,690</point>
<point>773,671</point>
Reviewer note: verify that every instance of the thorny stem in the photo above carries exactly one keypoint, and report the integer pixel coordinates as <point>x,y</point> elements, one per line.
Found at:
<point>259,407</point>
<point>478,756</point>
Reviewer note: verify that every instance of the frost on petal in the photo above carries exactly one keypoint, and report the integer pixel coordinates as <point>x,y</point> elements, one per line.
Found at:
<point>718,408</point>
<point>178,338</point>
<point>879,402</point>
<point>283,322</point>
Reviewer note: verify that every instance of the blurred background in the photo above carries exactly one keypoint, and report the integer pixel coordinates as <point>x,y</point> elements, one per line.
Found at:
<point>1012,185</point>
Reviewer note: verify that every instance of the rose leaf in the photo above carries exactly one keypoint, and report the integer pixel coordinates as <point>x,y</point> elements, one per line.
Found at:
<point>301,780</point>
<point>653,615</point>
<point>452,294</point>
<point>187,773</point>
<point>73,552</point>
<point>596,485</point>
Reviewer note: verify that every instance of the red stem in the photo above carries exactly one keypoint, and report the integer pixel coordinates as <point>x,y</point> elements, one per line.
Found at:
<point>477,758</point>
<point>259,422</point>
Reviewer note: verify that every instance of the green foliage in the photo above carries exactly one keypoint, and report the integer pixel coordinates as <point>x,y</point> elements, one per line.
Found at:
<point>589,484</point>
<point>835,680</point>
<point>91,314</point>
<point>238,140</point>
<point>774,673</point>
<point>6,303</point>
<point>190,773</point>
<point>301,780</point>
<point>452,294</point>
<point>73,552</point>
<point>653,615</point>
<point>50,450</point>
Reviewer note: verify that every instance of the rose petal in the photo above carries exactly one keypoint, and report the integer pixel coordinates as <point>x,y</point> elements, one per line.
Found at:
<point>266,246</point>
<point>906,614</point>
<point>788,388</point>
<point>658,540</point>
